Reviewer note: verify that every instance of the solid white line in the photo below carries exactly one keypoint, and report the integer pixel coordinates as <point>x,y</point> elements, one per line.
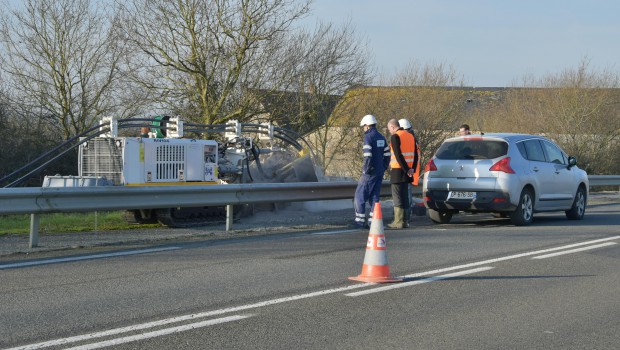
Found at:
<point>160,332</point>
<point>335,232</point>
<point>574,250</point>
<point>509,257</point>
<point>137,327</point>
<point>413,283</point>
<point>85,257</point>
<point>283,300</point>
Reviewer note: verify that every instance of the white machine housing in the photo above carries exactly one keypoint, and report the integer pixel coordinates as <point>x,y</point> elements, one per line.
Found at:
<point>149,161</point>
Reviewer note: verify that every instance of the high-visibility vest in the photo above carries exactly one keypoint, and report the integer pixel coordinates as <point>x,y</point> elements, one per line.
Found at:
<point>416,174</point>
<point>408,149</point>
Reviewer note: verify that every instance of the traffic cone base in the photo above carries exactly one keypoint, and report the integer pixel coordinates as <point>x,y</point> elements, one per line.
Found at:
<point>375,268</point>
<point>375,274</point>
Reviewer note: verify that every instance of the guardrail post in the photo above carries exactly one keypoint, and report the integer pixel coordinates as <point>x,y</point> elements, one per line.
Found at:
<point>34,230</point>
<point>229,217</point>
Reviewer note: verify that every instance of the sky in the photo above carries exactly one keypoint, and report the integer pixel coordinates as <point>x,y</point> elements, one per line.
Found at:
<point>490,43</point>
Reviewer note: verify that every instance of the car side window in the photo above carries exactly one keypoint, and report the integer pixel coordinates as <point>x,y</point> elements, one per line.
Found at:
<point>554,154</point>
<point>533,150</point>
<point>521,148</point>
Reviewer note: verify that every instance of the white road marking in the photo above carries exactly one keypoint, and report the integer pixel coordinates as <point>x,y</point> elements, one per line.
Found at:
<point>574,250</point>
<point>165,331</point>
<point>301,296</point>
<point>509,257</point>
<point>153,324</point>
<point>84,257</point>
<point>336,232</point>
<point>413,283</point>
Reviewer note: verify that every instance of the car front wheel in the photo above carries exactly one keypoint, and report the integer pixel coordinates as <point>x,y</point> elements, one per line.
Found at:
<point>439,216</point>
<point>578,210</point>
<point>524,213</point>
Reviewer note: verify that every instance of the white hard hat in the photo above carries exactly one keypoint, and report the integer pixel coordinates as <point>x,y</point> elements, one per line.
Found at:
<point>368,119</point>
<point>404,123</point>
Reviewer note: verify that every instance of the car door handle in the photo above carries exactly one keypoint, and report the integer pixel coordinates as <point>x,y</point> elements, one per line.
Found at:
<point>535,169</point>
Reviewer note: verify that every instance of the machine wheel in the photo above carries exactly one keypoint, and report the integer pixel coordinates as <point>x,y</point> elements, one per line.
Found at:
<point>439,216</point>
<point>578,210</point>
<point>524,213</point>
<point>195,216</point>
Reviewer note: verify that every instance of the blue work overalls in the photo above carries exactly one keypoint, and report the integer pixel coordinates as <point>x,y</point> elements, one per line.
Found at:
<point>376,153</point>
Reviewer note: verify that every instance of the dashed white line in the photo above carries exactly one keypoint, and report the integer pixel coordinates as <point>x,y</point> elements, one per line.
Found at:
<point>574,250</point>
<point>413,283</point>
<point>137,327</point>
<point>486,262</point>
<point>509,257</point>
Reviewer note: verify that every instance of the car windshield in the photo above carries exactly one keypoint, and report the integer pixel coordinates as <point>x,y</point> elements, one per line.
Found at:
<point>472,149</point>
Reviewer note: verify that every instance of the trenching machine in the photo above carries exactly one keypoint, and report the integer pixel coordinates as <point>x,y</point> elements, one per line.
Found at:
<point>163,155</point>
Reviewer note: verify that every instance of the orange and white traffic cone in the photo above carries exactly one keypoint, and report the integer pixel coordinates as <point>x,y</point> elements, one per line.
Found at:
<point>375,268</point>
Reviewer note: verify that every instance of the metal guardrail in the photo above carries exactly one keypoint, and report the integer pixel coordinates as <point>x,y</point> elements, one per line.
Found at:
<point>604,180</point>
<point>39,200</point>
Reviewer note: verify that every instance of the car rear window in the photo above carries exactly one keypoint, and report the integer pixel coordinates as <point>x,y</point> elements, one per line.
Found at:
<point>472,149</point>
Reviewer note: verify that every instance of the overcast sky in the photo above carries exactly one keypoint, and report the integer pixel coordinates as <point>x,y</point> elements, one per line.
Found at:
<point>490,43</point>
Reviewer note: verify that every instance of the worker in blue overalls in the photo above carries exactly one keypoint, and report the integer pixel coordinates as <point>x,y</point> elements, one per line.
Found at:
<point>376,153</point>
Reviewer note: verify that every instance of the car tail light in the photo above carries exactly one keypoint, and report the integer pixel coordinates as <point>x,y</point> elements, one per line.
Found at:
<point>430,166</point>
<point>503,165</point>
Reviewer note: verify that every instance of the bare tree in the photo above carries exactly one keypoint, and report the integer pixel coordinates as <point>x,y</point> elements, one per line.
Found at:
<point>432,97</point>
<point>24,137</point>
<point>62,57</point>
<point>428,95</point>
<point>577,107</point>
<point>326,62</point>
<point>583,104</point>
<point>200,57</point>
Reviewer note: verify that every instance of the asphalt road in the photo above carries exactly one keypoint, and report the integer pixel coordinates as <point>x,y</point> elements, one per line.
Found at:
<point>478,283</point>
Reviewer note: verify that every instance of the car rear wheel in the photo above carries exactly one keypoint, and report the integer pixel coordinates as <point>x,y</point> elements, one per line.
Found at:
<point>439,216</point>
<point>578,210</point>
<point>524,213</point>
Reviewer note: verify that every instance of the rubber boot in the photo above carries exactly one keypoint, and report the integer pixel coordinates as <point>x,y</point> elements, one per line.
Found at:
<point>399,219</point>
<point>407,216</point>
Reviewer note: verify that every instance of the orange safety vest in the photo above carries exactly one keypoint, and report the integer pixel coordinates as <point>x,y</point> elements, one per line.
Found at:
<point>408,149</point>
<point>416,174</point>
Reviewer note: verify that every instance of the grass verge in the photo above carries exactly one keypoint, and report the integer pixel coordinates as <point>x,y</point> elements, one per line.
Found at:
<point>69,222</point>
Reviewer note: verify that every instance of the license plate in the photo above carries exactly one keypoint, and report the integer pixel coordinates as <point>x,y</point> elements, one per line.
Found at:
<point>461,195</point>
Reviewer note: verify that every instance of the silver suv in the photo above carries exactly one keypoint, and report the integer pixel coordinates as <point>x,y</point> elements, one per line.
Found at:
<point>511,175</point>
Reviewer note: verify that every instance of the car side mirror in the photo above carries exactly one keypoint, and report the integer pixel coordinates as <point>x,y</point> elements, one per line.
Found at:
<point>572,161</point>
